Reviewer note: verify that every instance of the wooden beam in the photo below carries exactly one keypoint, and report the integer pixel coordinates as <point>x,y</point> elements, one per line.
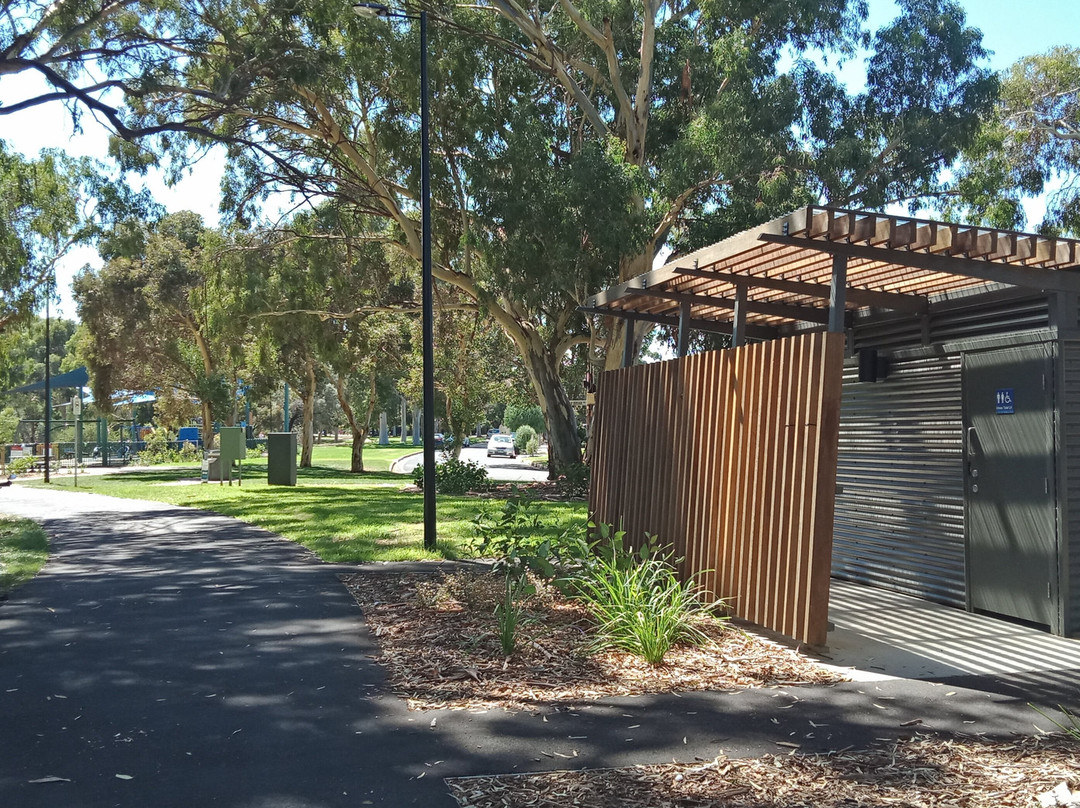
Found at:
<point>806,314</point>
<point>758,332</point>
<point>1030,277</point>
<point>860,297</point>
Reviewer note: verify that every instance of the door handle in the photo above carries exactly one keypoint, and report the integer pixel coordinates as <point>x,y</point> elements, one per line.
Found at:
<point>972,439</point>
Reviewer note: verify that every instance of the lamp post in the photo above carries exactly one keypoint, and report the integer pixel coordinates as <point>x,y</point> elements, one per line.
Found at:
<point>428,316</point>
<point>48,379</point>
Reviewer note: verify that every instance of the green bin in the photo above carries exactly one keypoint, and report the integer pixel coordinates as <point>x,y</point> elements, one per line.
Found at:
<point>281,458</point>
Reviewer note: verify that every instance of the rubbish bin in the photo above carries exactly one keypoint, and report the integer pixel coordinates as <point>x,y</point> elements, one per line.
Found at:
<point>281,458</point>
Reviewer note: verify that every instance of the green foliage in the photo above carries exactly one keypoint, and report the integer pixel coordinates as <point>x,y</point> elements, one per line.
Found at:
<point>9,423</point>
<point>518,416</point>
<point>524,434</point>
<point>454,476</point>
<point>158,451</point>
<point>21,465</point>
<point>1028,146</point>
<point>515,536</point>
<point>638,600</point>
<point>574,480</point>
<point>24,548</point>
<point>47,206</point>
<point>508,612</point>
<point>532,446</point>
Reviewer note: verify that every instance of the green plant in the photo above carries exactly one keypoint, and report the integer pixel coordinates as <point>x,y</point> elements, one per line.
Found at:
<point>639,602</point>
<point>532,447</point>
<point>454,476</point>
<point>1069,724</point>
<point>516,536</point>
<point>21,465</point>
<point>574,480</point>
<point>509,611</point>
<point>524,434</point>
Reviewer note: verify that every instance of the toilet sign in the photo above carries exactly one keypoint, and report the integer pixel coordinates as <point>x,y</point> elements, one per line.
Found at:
<point>1004,404</point>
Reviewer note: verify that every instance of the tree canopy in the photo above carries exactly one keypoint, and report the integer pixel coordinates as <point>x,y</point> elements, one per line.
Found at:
<point>1029,147</point>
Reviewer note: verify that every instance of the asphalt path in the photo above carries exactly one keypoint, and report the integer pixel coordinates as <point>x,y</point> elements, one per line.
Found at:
<point>499,468</point>
<point>171,657</point>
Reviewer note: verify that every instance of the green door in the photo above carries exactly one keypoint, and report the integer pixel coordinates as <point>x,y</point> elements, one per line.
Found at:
<point>1010,501</point>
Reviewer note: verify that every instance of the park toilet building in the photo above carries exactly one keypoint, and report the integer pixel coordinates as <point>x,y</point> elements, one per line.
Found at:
<point>900,407</point>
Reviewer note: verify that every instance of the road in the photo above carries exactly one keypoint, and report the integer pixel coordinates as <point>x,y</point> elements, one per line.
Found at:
<point>499,468</point>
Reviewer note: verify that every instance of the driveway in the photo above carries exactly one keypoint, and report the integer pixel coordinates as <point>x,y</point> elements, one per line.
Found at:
<point>499,468</point>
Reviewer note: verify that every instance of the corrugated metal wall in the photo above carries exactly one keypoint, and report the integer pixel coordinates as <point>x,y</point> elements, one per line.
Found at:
<point>900,509</point>
<point>1069,488</point>
<point>900,514</point>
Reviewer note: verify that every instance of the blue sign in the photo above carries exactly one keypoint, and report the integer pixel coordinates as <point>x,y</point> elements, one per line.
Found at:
<point>1004,404</point>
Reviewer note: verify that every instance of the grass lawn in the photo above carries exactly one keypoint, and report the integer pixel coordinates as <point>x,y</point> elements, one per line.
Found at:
<point>339,516</point>
<point>24,549</point>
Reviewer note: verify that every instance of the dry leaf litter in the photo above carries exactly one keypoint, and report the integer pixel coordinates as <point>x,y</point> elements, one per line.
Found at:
<point>922,772</point>
<point>438,641</point>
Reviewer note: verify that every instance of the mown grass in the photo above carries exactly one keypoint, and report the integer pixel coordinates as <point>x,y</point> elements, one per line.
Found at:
<point>341,517</point>
<point>24,549</point>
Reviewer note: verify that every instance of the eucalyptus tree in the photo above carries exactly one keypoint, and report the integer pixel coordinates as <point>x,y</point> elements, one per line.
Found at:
<point>317,102</point>
<point>153,320</point>
<point>48,205</point>
<point>695,96</point>
<point>325,305</point>
<point>1029,146</point>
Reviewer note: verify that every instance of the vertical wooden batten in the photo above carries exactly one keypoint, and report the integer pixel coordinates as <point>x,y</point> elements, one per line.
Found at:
<point>730,456</point>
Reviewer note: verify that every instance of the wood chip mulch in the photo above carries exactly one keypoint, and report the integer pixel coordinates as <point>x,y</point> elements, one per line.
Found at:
<point>448,656</point>
<point>916,773</point>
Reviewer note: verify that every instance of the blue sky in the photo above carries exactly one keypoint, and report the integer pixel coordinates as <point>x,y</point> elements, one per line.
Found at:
<point>1011,29</point>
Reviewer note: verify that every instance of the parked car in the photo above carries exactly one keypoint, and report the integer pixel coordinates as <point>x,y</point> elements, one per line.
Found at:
<point>439,440</point>
<point>501,445</point>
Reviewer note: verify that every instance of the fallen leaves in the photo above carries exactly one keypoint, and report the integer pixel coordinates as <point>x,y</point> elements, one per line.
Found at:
<point>969,772</point>
<point>449,656</point>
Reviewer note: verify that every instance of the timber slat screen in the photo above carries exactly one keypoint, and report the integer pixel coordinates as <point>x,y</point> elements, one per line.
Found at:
<point>730,456</point>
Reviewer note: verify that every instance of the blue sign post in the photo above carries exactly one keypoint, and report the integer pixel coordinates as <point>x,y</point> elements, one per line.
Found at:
<point>1004,403</point>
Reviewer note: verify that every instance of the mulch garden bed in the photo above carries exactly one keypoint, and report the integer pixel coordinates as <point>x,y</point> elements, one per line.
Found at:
<point>916,773</point>
<point>438,641</point>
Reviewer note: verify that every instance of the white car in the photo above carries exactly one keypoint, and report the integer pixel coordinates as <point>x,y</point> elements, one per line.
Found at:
<point>501,445</point>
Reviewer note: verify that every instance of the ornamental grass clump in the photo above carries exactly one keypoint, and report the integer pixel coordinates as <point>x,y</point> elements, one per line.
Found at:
<point>640,604</point>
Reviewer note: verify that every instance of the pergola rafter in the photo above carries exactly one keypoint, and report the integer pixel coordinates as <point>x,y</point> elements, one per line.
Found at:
<point>786,271</point>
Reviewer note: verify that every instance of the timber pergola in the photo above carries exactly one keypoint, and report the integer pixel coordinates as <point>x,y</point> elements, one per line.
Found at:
<point>818,265</point>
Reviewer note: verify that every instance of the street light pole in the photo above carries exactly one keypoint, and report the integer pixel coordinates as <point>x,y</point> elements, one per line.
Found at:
<point>426,280</point>
<point>48,381</point>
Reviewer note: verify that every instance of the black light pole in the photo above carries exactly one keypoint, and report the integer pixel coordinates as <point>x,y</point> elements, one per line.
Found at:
<point>48,382</point>
<point>428,314</point>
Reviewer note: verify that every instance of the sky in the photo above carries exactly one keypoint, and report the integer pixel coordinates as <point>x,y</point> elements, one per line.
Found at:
<point>1011,29</point>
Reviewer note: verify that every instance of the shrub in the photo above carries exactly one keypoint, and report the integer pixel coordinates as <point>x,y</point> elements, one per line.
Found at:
<point>522,438</point>
<point>454,476</point>
<point>574,480</point>
<point>639,602</point>
<point>21,465</point>
<point>515,537</point>
<point>532,447</point>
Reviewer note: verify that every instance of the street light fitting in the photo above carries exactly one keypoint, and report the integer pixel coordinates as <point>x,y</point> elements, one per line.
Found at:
<point>371,10</point>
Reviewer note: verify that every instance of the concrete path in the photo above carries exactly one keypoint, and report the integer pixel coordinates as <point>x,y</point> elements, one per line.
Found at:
<point>170,657</point>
